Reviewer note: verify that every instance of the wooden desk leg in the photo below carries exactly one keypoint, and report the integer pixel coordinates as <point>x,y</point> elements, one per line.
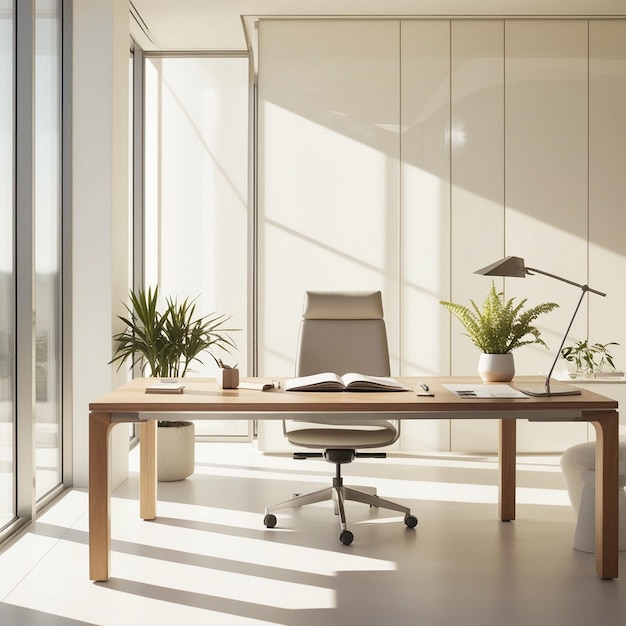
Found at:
<point>99,497</point>
<point>507,448</point>
<point>147,469</point>
<point>607,515</point>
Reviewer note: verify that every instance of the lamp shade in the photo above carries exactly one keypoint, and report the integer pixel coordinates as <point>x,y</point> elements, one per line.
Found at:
<point>508,266</point>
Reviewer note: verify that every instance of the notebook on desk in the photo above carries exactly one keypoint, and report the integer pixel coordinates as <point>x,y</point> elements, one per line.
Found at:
<point>257,386</point>
<point>484,391</point>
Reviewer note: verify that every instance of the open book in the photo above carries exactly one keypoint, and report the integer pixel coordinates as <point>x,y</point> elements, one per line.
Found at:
<point>328,381</point>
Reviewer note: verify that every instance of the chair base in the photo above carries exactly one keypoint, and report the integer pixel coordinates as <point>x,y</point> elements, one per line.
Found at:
<point>339,494</point>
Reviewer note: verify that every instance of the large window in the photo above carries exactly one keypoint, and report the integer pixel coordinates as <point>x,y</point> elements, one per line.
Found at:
<point>195,207</point>
<point>7,276</point>
<point>48,421</point>
<point>30,250</point>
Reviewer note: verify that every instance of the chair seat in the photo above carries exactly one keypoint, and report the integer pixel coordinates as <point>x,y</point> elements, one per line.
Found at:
<point>316,435</point>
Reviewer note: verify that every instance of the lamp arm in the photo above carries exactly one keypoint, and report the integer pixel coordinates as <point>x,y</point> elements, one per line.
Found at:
<point>558,352</point>
<point>565,280</point>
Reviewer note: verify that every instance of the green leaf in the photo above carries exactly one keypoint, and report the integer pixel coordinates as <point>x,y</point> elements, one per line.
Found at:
<point>589,359</point>
<point>500,325</point>
<point>168,342</point>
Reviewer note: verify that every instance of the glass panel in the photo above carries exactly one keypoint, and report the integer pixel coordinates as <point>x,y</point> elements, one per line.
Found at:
<point>132,428</point>
<point>47,249</point>
<point>131,157</point>
<point>7,275</point>
<point>196,220</point>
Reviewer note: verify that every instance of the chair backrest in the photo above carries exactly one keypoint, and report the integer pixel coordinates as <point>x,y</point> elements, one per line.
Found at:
<point>342,332</point>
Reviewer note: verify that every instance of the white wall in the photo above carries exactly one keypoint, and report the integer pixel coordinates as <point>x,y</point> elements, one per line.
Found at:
<point>489,125</point>
<point>196,169</point>
<point>425,209</point>
<point>607,182</point>
<point>196,198</point>
<point>100,205</point>
<point>328,173</point>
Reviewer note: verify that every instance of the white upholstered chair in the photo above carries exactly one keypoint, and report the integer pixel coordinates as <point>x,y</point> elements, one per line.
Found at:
<point>341,332</point>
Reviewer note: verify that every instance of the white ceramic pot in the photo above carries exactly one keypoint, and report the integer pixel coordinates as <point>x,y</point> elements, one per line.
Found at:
<point>175,451</point>
<point>496,368</point>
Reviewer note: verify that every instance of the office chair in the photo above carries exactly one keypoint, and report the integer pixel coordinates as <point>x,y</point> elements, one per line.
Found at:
<point>341,333</point>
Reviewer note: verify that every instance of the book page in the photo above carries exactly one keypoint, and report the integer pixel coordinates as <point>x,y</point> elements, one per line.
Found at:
<point>327,381</point>
<point>363,382</point>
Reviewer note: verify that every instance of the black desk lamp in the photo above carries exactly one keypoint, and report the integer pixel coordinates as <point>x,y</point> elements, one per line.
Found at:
<point>514,266</point>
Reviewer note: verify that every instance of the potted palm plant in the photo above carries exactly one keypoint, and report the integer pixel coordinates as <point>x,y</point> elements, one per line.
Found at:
<point>164,344</point>
<point>497,328</point>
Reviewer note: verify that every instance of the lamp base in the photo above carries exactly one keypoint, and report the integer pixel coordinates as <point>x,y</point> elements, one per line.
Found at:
<point>556,390</point>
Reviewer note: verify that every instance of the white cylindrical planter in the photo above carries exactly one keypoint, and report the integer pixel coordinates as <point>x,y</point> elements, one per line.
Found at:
<point>175,451</point>
<point>578,465</point>
<point>496,368</point>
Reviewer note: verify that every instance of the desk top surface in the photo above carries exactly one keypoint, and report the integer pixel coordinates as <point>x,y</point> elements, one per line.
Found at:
<point>203,395</point>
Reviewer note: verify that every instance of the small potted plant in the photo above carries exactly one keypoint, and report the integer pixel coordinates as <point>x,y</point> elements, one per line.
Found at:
<point>164,344</point>
<point>590,360</point>
<point>498,328</point>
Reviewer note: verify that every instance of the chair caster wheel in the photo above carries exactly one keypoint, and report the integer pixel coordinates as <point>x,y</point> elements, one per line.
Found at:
<point>270,520</point>
<point>410,521</point>
<point>346,537</point>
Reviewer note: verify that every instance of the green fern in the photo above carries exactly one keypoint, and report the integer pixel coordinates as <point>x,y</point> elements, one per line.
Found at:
<point>501,325</point>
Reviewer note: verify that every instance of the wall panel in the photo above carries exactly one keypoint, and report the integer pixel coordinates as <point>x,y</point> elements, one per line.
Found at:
<point>607,190</point>
<point>425,213</point>
<point>546,187</point>
<point>328,201</point>
<point>607,183</point>
<point>425,187</point>
<point>546,170</point>
<point>328,172</point>
<point>477,190</point>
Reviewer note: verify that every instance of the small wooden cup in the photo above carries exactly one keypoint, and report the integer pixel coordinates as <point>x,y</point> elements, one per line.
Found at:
<point>227,378</point>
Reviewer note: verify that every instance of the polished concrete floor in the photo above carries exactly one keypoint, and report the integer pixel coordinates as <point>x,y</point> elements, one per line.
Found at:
<point>208,559</point>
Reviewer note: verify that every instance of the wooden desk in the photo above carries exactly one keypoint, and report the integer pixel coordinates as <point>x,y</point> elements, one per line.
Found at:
<point>130,403</point>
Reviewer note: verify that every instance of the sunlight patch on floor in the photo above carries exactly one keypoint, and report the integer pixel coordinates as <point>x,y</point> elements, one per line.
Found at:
<point>221,583</point>
<point>188,532</point>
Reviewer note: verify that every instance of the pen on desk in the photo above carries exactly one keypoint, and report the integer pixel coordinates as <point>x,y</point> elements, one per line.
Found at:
<point>424,386</point>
